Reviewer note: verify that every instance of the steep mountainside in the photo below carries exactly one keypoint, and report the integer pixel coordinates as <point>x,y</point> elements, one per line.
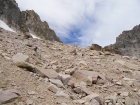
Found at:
<point>128,43</point>
<point>25,22</point>
<point>60,74</point>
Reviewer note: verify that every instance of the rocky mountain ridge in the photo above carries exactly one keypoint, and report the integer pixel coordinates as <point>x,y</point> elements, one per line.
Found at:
<point>27,22</point>
<point>128,43</point>
<point>60,74</point>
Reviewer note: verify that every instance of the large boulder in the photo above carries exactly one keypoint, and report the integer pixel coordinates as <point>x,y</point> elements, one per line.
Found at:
<point>96,47</point>
<point>20,60</point>
<point>19,57</point>
<point>84,75</point>
<point>50,73</point>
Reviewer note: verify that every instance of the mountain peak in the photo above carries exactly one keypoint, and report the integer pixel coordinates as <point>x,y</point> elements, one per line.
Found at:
<point>26,22</point>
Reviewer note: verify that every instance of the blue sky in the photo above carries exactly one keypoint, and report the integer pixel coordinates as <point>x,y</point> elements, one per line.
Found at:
<point>84,22</point>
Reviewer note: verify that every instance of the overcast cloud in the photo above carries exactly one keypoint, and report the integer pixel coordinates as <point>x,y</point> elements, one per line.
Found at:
<point>84,22</point>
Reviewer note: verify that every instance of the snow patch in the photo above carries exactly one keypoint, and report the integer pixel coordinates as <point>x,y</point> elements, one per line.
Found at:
<point>34,36</point>
<point>5,26</point>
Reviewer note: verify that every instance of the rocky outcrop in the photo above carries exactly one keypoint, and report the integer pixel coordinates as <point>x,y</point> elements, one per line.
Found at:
<point>96,47</point>
<point>27,22</point>
<point>10,13</point>
<point>128,43</point>
<point>106,49</point>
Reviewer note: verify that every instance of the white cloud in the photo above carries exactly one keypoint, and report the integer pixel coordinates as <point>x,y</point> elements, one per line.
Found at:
<point>99,21</point>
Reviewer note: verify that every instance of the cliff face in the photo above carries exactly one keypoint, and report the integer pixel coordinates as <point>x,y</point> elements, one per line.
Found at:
<point>128,43</point>
<point>25,22</point>
<point>10,13</point>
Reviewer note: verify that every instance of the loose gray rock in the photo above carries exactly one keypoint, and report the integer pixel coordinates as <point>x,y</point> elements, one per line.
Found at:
<point>62,94</point>
<point>64,78</point>
<point>29,102</point>
<point>19,57</point>
<point>57,82</point>
<point>8,96</point>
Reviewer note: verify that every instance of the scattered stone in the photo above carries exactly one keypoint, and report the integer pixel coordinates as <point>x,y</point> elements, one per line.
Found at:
<point>53,88</point>
<point>125,94</point>
<point>130,83</point>
<point>128,79</point>
<point>100,81</point>
<point>13,84</point>
<point>26,65</point>
<point>135,90</point>
<point>71,83</point>
<point>46,80</point>
<point>77,90</point>
<point>62,94</point>
<point>82,63</point>
<point>90,80</point>
<point>92,96</point>
<point>72,97</point>
<point>29,102</point>
<point>74,52</point>
<point>119,83</point>
<point>83,84</point>
<point>69,71</point>
<point>64,78</point>
<point>129,101</point>
<point>54,63</point>
<point>49,73</point>
<point>86,90</point>
<point>81,101</point>
<point>19,57</point>
<point>57,82</point>
<point>31,92</point>
<point>84,75</point>
<point>8,96</point>
<point>111,99</point>
<point>94,102</point>
<point>126,57</point>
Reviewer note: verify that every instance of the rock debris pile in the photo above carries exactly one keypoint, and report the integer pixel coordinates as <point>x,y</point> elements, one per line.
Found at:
<point>60,74</point>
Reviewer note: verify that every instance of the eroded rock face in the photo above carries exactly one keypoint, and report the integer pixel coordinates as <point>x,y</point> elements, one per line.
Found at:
<point>128,43</point>
<point>25,22</point>
<point>31,20</point>
<point>8,7</point>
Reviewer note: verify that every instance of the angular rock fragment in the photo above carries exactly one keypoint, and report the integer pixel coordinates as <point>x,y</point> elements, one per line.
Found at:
<point>19,57</point>
<point>62,94</point>
<point>64,78</point>
<point>85,90</point>
<point>57,82</point>
<point>86,76</point>
<point>50,73</point>
<point>8,96</point>
<point>92,96</point>
<point>53,88</point>
<point>26,65</point>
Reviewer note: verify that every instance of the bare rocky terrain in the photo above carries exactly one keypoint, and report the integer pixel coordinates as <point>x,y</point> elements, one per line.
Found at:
<point>61,74</point>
